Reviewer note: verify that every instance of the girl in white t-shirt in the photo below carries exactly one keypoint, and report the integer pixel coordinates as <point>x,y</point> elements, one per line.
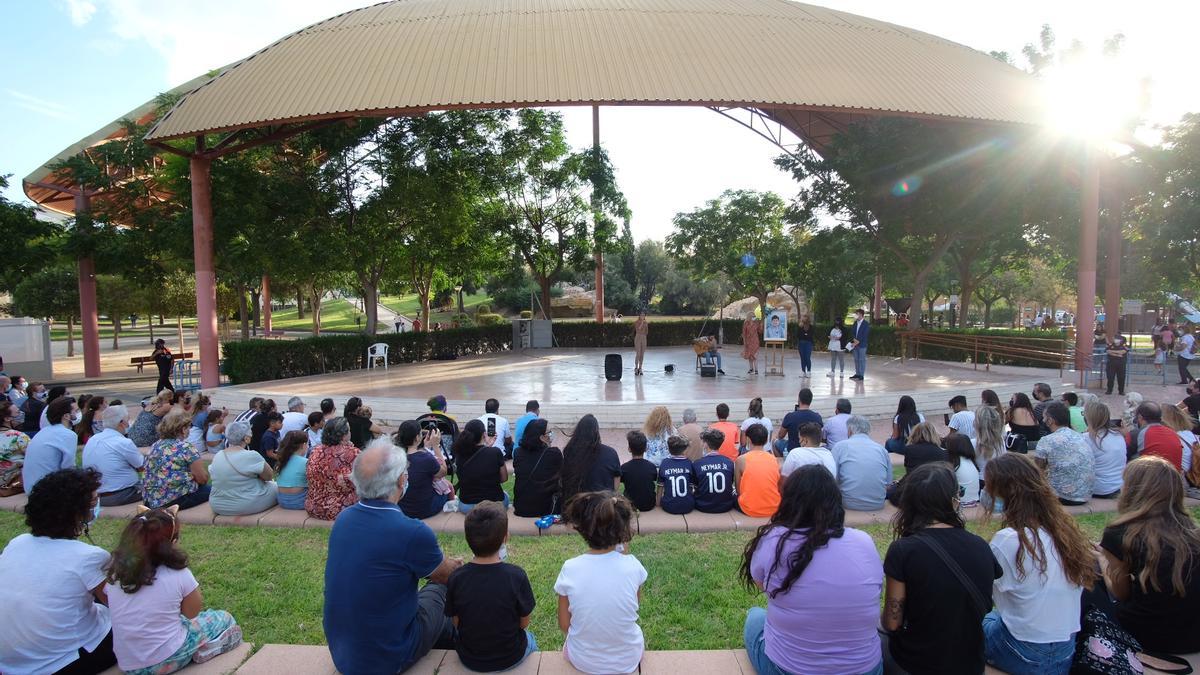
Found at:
<point>599,592</point>
<point>158,626</point>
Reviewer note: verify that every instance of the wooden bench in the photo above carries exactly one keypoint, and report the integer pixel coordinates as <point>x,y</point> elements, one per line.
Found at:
<point>273,334</point>
<point>140,361</point>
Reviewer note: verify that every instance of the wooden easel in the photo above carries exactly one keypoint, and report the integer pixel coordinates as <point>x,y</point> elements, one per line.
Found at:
<point>773,361</point>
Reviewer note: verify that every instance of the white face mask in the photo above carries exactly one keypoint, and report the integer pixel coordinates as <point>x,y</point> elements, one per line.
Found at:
<point>503,551</point>
<point>77,417</point>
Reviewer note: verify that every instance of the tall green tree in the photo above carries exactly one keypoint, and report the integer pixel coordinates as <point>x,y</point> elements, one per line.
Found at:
<point>50,293</point>
<point>30,244</point>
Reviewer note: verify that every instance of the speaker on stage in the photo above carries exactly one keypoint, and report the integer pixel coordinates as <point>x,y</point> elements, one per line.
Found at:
<point>612,367</point>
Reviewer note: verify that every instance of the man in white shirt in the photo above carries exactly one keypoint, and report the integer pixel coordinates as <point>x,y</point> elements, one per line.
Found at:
<point>963,419</point>
<point>810,451</point>
<point>864,469</point>
<point>249,413</point>
<point>116,458</point>
<point>53,448</point>
<point>835,427</point>
<point>492,420</point>
<point>294,419</point>
<point>54,394</point>
<point>1184,354</point>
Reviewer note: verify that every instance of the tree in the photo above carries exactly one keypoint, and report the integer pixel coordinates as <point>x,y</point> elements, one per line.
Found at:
<point>739,234</point>
<point>117,297</point>
<point>651,263</point>
<point>973,261</point>
<point>50,293</point>
<point>30,244</point>
<point>680,294</point>
<point>995,287</point>
<point>832,267</point>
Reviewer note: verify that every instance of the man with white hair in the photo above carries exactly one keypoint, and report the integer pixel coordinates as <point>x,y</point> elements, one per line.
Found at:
<point>116,458</point>
<point>294,419</point>
<point>375,619</point>
<point>863,467</point>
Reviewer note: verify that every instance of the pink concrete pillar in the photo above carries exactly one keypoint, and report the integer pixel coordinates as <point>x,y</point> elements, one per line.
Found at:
<point>877,305</point>
<point>206,278</point>
<point>266,303</point>
<point>1112,277</point>
<point>89,317</point>
<point>1089,234</point>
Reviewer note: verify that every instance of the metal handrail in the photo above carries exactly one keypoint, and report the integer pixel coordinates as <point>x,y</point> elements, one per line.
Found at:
<point>989,346</point>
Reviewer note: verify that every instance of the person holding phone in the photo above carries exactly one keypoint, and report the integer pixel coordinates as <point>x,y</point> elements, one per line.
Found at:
<point>497,427</point>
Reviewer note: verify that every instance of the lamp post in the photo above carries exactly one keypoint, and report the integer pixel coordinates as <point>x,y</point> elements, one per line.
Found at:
<point>458,290</point>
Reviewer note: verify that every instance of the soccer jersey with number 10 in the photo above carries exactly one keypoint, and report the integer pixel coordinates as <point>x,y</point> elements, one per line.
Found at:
<point>675,474</point>
<point>715,491</point>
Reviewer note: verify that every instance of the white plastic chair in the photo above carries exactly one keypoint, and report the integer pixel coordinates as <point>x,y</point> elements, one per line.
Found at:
<point>375,352</point>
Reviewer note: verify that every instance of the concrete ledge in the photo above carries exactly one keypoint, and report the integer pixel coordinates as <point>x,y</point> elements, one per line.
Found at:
<point>222,665</point>
<point>281,517</point>
<point>201,514</point>
<point>655,521</point>
<point>290,660</point>
<point>697,521</point>
<point>248,520</point>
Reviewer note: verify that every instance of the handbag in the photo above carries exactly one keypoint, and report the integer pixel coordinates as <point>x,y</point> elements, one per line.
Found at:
<point>1103,647</point>
<point>1016,443</point>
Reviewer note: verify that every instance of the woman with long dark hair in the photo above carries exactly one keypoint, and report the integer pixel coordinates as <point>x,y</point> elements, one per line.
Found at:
<point>1021,419</point>
<point>822,581</point>
<point>990,398</point>
<point>933,621</point>
<point>362,429</point>
<point>481,467</point>
<point>1047,562</point>
<point>90,424</point>
<point>293,471</point>
<point>588,465</point>
<point>906,419</point>
<point>426,467</point>
<point>538,468</point>
<point>1152,556</point>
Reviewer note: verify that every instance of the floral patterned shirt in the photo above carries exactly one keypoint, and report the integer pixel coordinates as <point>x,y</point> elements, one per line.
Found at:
<point>329,486</point>
<point>168,472</point>
<point>12,456</point>
<point>1070,465</point>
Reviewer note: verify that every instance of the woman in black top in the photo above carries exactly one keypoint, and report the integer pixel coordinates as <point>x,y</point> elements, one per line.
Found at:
<point>588,464</point>
<point>537,466</point>
<point>1021,419</point>
<point>805,343</point>
<point>481,467</point>
<point>933,622</point>
<point>362,429</point>
<point>425,467</point>
<point>165,362</point>
<point>906,419</point>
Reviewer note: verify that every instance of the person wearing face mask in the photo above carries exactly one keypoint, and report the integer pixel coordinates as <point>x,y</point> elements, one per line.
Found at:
<point>116,459</point>
<point>1118,354</point>
<point>55,394</point>
<point>54,619</point>
<point>54,447</point>
<point>144,431</point>
<point>375,551</point>
<point>31,409</point>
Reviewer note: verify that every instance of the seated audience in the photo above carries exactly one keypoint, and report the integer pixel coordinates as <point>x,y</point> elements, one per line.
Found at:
<point>174,475</point>
<point>756,474</point>
<point>588,464</point>
<point>13,444</point>
<point>294,419</point>
<point>55,393</point>
<point>756,416</point>
<point>962,418</point>
<point>375,619</point>
<point>789,428</point>
<point>253,408</point>
<point>658,428</point>
<point>1155,439</point>
<point>1178,421</point>
<point>90,424</point>
<point>116,459</point>
<point>677,492</point>
<point>906,419</point>
<point>961,454</point>
<point>316,423</point>
<point>639,475</point>
<point>268,445</point>
<point>991,399</point>
<point>329,465</point>
<point>438,417</point>
<point>989,438</point>
<point>33,407</point>
<point>714,475</point>
<point>1075,410</point>
<point>259,424</point>
<point>293,471</point>
<point>835,427</point>
<point>54,619</point>
<point>1066,457</point>
<point>810,451</point>
<point>481,467</point>
<point>864,469</point>
<point>362,429</point>
<point>200,412</point>
<point>426,469</point>
<point>691,431</point>
<point>531,413</point>
<point>144,431</point>
<point>488,599</point>
<point>242,481</point>
<point>1152,560</point>
<point>214,431</point>
<point>822,582</point>
<point>922,447</point>
<point>932,620</point>
<point>158,621</point>
<point>538,469</point>
<point>1108,451</point>
<point>599,592</point>
<point>53,447</point>
<point>1021,420</point>
<point>1046,561</point>
<point>732,432</point>
<point>491,414</point>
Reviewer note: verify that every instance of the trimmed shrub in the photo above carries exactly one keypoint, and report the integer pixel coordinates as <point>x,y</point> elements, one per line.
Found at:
<point>486,319</point>
<point>526,314</point>
<point>483,308</point>
<point>463,320</point>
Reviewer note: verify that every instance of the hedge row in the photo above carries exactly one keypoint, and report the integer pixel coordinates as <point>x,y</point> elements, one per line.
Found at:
<point>259,360</point>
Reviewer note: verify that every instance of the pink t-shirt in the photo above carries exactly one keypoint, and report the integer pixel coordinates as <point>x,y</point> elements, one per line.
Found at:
<point>146,624</point>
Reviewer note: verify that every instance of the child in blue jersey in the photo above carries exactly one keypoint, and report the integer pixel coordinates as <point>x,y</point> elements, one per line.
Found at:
<point>675,479</point>
<point>715,489</point>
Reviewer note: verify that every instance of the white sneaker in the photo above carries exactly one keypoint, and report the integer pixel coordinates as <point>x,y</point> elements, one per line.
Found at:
<point>830,374</point>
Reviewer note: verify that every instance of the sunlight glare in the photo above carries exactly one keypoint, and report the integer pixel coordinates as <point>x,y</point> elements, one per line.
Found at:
<point>1093,98</point>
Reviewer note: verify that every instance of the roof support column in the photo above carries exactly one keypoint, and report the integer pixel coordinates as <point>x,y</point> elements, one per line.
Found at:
<point>599,306</point>
<point>88,314</point>
<point>206,278</point>
<point>1112,276</point>
<point>1089,225</point>
<point>266,304</point>
<point>877,302</point>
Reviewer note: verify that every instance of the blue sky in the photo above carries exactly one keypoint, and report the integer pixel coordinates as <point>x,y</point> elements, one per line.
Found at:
<point>72,66</point>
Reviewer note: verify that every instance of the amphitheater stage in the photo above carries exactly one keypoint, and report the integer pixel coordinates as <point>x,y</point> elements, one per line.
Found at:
<point>570,383</point>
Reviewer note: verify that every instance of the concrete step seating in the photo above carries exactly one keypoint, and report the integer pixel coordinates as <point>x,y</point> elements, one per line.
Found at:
<point>315,660</point>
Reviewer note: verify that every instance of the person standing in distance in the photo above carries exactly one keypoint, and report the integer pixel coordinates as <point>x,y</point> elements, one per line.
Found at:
<point>165,362</point>
<point>641,328</point>
<point>859,333</point>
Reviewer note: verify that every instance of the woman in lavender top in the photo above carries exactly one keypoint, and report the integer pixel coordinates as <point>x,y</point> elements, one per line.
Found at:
<point>822,581</point>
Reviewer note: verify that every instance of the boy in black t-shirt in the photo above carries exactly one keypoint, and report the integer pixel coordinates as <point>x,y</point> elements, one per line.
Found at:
<point>488,599</point>
<point>675,478</point>
<point>639,475</point>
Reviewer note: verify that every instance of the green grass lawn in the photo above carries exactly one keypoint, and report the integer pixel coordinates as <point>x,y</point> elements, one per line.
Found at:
<point>335,315</point>
<point>271,579</point>
<point>410,306</point>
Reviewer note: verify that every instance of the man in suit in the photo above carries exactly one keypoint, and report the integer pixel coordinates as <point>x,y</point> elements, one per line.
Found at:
<point>860,331</point>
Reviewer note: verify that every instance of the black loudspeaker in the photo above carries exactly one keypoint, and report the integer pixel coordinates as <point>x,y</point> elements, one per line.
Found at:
<point>708,368</point>
<point>612,367</point>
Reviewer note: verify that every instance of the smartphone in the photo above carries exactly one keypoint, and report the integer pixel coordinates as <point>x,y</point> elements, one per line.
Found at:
<point>946,419</point>
<point>491,426</point>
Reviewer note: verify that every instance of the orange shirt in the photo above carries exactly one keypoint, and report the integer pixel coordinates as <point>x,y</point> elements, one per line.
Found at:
<point>730,447</point>
<point>758,491</point>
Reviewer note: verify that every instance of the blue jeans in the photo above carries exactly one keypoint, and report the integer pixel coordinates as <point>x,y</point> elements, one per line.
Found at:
<point>1009,654</point>
<point>895,445</point>
<point>531,646</point>
<point>781,447</point>
<point>837,361</point>
<point>466,508</point>
<point>717,356</point>
<point>294,502</point>
<point>756,645</point>
<point>806,349</point>
<point>860,361</point>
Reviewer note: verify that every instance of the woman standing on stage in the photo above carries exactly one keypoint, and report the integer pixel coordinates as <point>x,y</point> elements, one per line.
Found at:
<point>640,329</point>
<point>750,333</point>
